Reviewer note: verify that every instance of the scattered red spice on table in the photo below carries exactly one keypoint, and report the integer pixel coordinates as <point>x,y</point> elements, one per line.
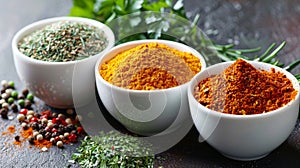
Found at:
<point>42,143</point>
<point>17,142</point>
<point>242,89</point>
<point>26,133</point>
<point>10,130</point>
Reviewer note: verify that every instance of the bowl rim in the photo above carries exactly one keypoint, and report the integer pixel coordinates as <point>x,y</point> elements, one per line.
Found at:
<point>41,23</point>
<point>195,80</point>
<point>139,42</point>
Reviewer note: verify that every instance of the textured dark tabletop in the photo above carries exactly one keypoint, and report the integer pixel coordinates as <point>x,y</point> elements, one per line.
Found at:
<point>246,23</point>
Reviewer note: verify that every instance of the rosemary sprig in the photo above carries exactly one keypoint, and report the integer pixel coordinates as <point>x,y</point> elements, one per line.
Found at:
<point>297,77</point>
<point>226,52</point>
<point>292,65</point>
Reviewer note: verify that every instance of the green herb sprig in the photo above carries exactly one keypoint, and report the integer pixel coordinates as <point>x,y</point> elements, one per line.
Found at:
<point>227,53</point>
<point>114,150</point>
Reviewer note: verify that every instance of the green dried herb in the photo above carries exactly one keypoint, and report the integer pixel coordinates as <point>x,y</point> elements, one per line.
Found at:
<point>64,41</point>
<point>114,150</point>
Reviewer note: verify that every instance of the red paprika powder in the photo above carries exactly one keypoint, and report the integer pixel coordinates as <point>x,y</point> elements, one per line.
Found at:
<point>242,89</point>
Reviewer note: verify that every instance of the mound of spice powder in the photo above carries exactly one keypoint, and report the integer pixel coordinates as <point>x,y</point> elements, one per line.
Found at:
<point>150,66</point>
<point>242,89</point>
<point>64,41</point>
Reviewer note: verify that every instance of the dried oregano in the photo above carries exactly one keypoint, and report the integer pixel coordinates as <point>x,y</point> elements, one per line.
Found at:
<point>64,41</point>
<point>114,150</point>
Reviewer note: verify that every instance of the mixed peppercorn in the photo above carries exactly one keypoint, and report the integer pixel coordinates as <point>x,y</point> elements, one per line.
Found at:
<point>56,128</point>
<point>11,100</point>
<point>42,129</point>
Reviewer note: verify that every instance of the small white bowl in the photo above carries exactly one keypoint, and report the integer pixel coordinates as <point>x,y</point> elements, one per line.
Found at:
<point>59,84</point>
<point>141,111</point>
<point>246,137</point>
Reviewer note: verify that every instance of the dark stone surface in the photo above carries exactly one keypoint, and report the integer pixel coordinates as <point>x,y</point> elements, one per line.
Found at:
<point>244,22</point>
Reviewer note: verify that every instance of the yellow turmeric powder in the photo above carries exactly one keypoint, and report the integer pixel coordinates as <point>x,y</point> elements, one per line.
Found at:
<point>150,66</point>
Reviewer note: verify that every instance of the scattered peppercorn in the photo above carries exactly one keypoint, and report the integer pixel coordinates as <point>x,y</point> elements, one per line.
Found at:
<point>30,97</point>
<point>20,97</point>
<point>4,83</point>
<point>59,144</point>
<point>25,92</point>
<point>3,113</point>
<point>61,116</point>
<point>31,140</point>
<point>70,111</point>
<point>24,124</point>
<point>47,135</point>
<point>10,100</point>
<point>21,102</point>
<point>2,101</point>
<point>35,133</point>
<point>23,111</point>
<point>21,117</point>
<point>27,104</point>
<point>17,138</point>
<point>6,106</point>
<point>5,96</point>
<point>11,84</point>
<point>80,130</point>
<point>3,90</point>
<point>14,107</point>
<point>39,137</point>
<point>30,112</point>
<point>14,94</point>
<point>8,91</point>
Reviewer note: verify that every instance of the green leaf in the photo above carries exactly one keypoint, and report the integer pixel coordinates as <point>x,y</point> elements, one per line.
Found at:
<point>83,8</point>
<point>292,65</point>
<point>120,7</point>
<point>157,6</point>
<point>134,5</point>
<point>104,9</point>
<point>86,4</point>
<point>123,7</point>
<point>81,12</point>
<point>274,53</point>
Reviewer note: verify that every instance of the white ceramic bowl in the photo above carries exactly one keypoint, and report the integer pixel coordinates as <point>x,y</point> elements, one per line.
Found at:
<point>145,112</point>
<point>246,137</point>
<point>59,84</point>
